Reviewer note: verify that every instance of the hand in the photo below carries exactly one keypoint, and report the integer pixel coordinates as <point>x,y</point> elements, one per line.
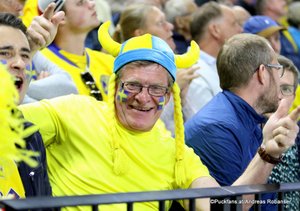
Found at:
<point>43,28</point>
<point>43,74</point>
<point>281,130</point>
<point>185,76</point>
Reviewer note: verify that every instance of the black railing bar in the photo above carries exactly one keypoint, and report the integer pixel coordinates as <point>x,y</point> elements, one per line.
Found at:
<point>280,197</point>
<point>95,208</point>
<point>192,205</point>
<point>256,206</point>
<point>129,206</point>
<point>161,205</point>
<point>88,200</point>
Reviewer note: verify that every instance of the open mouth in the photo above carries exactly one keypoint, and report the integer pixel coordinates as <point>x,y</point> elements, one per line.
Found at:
<point>18,82</point>
<point>141,109</point>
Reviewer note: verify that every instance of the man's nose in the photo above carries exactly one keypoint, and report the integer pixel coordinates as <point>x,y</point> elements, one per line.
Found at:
<point>143,95</point>
<point>17,63</point>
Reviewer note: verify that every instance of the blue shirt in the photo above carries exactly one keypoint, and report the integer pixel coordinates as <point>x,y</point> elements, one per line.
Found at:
<point>225,134</point>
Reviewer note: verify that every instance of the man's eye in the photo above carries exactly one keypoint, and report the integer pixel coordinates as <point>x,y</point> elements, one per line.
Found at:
<point>26,56</point>
<point>5,53</point>
<point>133,85</point>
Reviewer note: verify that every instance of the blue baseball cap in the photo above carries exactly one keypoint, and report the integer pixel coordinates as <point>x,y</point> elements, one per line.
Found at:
<point>261,25</point>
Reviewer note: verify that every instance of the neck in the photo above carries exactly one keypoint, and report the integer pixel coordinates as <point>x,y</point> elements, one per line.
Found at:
<point>72,43</point>
<point>210,47</point>
<point>250,94</point>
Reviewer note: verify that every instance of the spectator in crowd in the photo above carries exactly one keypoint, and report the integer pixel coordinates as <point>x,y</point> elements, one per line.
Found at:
<point>291,39</point>
<point>52,81</point>
<point>25,179</point>
<point>103,10</point>
<point>265,27</point>
<point>88,68</point>
<point>226,133</point>
<point>288,169</point>
<point>211,26</point>
<point>140,19</point>
<point>275,9</point>
<point>119,146</point>
<point>179,13</point>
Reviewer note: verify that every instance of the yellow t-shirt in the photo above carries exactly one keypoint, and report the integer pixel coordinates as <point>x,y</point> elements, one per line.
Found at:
<point>100,66</point>
<point>11,185</point>
<point>30,10</point>
<point>80,156</point>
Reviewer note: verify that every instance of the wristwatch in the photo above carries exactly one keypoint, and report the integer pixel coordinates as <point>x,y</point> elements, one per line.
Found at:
<point>266,157</point>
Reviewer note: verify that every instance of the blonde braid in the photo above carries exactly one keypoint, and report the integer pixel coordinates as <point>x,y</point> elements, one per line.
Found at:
<point>119,157</point>
<point>180,176</point>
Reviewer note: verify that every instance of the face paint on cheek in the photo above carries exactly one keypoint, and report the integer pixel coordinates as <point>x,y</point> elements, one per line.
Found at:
<point>3,61</point>
<point>161,103</point>
<point>29,72</point>
<point>122,95</point>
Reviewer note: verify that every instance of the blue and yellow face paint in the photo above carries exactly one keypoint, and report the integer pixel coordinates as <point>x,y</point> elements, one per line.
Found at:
<point>28,70</point>
<point>161,103</point>
<point>4,62</point>
<point>122,95</point>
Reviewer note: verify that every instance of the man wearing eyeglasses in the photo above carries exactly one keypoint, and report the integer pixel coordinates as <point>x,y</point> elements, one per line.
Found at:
<point>288,170</point>
<point>118,145</point>
<point>226,133</point>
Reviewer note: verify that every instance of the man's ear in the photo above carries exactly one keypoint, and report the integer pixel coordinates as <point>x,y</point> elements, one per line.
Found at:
<point>214,30</point>
<point>138,32</point>
<point>262,74</point>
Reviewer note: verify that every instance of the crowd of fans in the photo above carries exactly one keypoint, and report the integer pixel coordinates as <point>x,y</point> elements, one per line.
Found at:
<point>117,96</point>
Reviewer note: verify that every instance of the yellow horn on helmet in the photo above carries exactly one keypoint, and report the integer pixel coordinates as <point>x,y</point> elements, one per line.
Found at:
<point>106,41</point>
<point>189,58</point>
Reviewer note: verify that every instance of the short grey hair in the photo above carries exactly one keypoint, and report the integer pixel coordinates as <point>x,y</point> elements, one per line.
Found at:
<point>174,8</point>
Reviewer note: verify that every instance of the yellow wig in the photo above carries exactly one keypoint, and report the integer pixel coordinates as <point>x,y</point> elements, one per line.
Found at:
<point>150,48</point>
<point>11,123</point>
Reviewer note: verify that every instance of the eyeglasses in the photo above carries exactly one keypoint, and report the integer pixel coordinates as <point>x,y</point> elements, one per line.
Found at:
<point>90,83</point>
<point>153,90</point>
<point>278,67</point>
<point>287,90</point>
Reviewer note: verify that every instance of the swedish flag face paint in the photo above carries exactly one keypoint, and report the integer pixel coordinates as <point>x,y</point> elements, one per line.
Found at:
<point>122,95</point>
<point>3,61</point>
<point>29,73</point>
<point>161,103</point>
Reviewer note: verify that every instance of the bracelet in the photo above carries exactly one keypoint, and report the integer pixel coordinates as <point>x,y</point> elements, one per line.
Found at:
<point>266,157</point>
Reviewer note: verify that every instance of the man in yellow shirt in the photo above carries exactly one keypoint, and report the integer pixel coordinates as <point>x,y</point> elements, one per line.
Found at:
<point>17,179</point>
<point>88,68</point>
<point>118,146</point>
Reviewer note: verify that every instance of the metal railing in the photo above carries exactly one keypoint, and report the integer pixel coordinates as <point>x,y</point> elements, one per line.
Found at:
<point>225,198</point>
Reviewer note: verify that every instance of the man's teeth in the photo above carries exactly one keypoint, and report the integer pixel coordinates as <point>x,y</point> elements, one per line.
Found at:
<point>18,82</point>
<point>142,109</point>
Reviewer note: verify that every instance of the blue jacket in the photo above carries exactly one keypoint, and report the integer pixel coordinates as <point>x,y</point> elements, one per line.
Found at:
<point>226,134</point>
<point>35,180</point>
